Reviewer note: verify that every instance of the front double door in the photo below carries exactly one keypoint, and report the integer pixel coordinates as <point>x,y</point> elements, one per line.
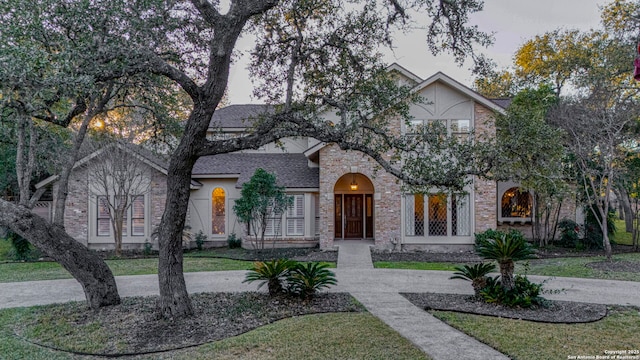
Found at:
<point>354,216</point>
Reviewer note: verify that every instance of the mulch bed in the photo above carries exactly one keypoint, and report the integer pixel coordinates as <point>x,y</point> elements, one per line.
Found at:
<point>616,266</point>
<point>134,327</point>
<point>556,311</point>
<point>471,257</point>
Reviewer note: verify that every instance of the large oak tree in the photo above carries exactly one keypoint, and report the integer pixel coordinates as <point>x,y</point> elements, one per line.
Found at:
<point>311,57</point>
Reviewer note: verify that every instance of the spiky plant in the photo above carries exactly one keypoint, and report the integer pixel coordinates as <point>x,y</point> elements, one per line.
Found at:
<point>271,273</point>
<point>505,248</point>
<point>306,279</point>
<point>476,273</point>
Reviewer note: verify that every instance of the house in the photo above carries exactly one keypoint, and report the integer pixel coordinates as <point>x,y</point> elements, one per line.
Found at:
<point>338,195</point>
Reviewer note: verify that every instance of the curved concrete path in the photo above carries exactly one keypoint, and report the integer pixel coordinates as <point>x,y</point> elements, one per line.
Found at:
<point>377,289</point>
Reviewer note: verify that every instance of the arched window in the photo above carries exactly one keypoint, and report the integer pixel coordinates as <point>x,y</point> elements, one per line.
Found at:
<point>218,211</point>
<point>516,203</point>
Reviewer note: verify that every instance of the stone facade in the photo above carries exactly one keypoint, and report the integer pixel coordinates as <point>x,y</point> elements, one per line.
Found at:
<point>76,212</point>
<point>335,163</point>
<point>485,197</point>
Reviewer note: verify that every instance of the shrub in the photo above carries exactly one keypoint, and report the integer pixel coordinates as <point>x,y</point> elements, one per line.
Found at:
<point>306,279</point>
<point>271,273</point>
<point>148,248</point>
<point>20,247</point>
<point>524,293</point>
<point>505,248</point>
<point>476,273</point>
<point>200,239</point>
<point>233,241</point>
<point>569,233</point>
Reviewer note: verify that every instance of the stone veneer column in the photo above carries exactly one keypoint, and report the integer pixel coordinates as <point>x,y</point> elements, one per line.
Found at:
<point>486,205</point>
<point>76,212</point>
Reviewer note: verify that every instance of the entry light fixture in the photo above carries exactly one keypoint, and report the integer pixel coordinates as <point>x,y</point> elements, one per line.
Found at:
<point>354,184</point>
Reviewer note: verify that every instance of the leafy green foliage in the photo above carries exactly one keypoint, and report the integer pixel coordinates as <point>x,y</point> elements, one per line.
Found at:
<point>233,241</point>
<point>21,248</point>
<point>291,277</point>
<point>307,278</point>
<point>476,273</point>
<point>505,248</point>
<point>272,273</point>
<point>261,198</point>
<point>200,239</point>
<point>524,293</point>
<point>569,233</point>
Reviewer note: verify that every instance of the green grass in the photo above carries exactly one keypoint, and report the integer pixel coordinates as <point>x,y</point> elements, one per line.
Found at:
<point>320,336</point>
<point>575,267</point>
<point>415,265</point>
<point>29,271</point>
<point>621,236</point>
<point>565,267</point>
<point>5,248</point>
<point>524,340</point>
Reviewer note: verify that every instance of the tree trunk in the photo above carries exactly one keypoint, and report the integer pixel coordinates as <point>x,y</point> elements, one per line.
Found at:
<point>90,270</point>
<point>625,204</point>
<point>506,274</point>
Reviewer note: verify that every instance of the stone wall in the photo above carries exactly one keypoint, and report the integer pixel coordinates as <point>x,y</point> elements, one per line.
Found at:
<point>335,163</point>
<point>485,191</point>
<point>76,213</point>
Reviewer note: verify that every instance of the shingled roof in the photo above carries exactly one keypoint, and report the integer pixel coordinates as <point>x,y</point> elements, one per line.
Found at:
<point>238,116</point>
<point>291,170</point>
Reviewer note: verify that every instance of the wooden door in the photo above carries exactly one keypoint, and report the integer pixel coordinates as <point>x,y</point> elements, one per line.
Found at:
<point>353,217</point>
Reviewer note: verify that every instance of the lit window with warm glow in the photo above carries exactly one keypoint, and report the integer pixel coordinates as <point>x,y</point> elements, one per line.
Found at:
<point>516,203</point>
<point>218,204</point>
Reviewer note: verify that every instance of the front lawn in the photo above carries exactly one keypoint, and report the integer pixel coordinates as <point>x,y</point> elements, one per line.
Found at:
<point>524,340</point>
<point>46,270</point>
<point>343,335</point>
<point>565,267</point>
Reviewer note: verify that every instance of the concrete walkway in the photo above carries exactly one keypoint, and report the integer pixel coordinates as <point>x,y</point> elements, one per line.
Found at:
<point>437,339</point>
<point>377,289</point>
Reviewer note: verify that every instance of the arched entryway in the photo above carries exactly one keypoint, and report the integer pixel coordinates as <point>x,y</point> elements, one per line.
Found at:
<point>353,205</point>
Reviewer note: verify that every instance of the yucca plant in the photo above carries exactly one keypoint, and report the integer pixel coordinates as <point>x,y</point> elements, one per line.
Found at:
<point>505,248</point>
<point>476,273</point>
<point>271,273</point>
<point>306,279</point>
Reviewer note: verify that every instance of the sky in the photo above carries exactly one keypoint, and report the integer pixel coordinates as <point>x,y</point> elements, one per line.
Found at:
<point>512,21</point>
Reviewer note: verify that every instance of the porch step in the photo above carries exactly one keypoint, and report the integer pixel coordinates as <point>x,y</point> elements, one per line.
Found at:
<point>354,254</point>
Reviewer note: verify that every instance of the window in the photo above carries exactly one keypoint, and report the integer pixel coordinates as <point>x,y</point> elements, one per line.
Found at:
<point>437,215</point>
<point>218,205</point>
<point>295,216</point>
<point>516,203</point>
<point>120,203</point>
<point>104,221</point>
<point>316,202</point>
<point>137,216</point>
<point>273,225</point>
<point>133,219</point>
<point>455,127</point>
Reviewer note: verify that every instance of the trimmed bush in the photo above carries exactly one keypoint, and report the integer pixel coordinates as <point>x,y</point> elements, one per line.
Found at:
<point>233,241</point>
<point>524,293</point>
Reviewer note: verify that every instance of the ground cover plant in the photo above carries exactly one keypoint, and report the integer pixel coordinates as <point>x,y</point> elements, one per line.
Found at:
<point>220,318</point>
